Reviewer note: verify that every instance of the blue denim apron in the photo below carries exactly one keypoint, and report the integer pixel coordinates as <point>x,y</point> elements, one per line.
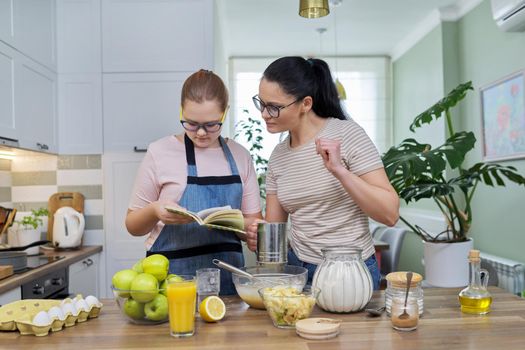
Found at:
<point>190,247</point>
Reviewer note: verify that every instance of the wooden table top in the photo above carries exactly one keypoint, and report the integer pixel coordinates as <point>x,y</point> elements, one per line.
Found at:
<point>443,326</point>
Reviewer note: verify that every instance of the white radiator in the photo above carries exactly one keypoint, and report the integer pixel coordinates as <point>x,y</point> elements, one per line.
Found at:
<point>511,274</point>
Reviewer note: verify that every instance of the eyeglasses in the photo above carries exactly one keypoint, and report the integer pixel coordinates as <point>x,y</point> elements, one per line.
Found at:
<point>272,110</point>
<point>208,127</point>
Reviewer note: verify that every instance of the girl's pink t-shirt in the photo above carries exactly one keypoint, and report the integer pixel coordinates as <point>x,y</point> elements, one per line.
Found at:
<point>163,171</point>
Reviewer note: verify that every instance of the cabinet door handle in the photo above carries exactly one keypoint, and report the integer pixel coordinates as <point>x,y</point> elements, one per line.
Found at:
<point>87,262</point>
<point>42,146</point>
<point>139,150</point>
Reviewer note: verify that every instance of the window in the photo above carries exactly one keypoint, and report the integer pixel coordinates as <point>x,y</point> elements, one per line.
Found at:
<point>366,81</point>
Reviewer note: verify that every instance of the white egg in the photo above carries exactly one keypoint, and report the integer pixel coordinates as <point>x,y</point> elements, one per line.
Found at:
<point>41,319</point>
<point>92,301</point>
<point>56,312</point>
<point>69,308</point>
<point>81,305</point>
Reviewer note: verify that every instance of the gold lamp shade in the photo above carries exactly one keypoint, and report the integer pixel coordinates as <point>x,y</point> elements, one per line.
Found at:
<point>341,92</point>
<point>313,8</point>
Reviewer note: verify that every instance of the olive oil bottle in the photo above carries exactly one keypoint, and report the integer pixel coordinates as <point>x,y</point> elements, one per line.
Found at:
<point>475,299</point>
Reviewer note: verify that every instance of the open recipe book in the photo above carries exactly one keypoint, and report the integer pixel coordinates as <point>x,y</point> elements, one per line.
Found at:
<point>222,218</point>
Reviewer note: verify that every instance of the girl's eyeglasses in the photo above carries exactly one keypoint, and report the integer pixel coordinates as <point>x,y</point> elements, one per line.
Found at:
<point>208,127</point>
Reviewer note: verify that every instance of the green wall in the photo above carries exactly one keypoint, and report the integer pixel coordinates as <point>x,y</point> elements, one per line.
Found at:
<point>486,54</point>
<point>472,48</point>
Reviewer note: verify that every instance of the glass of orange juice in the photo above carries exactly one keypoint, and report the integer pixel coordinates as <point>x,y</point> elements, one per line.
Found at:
<point>182,298</point>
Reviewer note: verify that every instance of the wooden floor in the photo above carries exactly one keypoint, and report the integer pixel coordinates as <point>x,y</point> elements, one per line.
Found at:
<point>443,326</point>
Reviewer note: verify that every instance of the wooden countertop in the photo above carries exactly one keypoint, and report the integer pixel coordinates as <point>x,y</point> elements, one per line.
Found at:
<point>71,257</point>
<point>443,326</point>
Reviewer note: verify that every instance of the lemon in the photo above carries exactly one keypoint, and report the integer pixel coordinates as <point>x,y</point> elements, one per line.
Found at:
<point>212,309</point>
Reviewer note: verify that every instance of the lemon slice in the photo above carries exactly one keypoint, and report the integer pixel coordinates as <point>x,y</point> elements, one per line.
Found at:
<point>212,309</point>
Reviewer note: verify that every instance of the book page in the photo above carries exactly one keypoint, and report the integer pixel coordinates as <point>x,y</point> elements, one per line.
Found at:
<point>184,212</point>
<point>203,214</point>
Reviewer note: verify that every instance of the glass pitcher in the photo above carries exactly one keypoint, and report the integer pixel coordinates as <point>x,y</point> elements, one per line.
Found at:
<point>476,299</point>
<point>345,282</point>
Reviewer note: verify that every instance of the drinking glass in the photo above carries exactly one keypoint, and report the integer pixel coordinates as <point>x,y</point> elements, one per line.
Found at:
<point>182,297</point>
<point>208,283</point>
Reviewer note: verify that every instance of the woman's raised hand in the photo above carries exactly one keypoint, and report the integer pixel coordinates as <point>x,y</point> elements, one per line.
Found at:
<point>330,151</point>
<point>169,218</point>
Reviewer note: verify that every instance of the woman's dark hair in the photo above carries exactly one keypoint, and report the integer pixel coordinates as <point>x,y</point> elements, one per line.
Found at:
<point>204,85</point>
<point>300,78</point>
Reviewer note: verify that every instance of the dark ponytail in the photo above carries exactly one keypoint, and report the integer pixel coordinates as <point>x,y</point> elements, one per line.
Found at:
<point>300,78</point>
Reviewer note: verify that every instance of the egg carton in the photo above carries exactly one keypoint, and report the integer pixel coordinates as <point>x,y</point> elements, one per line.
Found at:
<point>23,315</point>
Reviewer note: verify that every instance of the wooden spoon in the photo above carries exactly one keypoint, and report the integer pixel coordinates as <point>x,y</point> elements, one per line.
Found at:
<point>405,314</point>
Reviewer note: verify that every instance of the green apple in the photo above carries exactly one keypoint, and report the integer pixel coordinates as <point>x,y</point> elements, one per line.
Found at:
<point>122,280</point>
<point>157,309</point>
<point>138,266</point>
<point>134,309</point>
<point>156,265</point>
<point>144,287</point>
<point>164,284</point>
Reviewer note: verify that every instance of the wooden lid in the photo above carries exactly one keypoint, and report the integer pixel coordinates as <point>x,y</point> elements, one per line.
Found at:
<point>318,326</point>
<point>399,279</point>
<point>317,336</point>
<point>473,255</point>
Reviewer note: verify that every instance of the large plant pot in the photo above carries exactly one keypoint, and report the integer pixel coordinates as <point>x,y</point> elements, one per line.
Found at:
<point>446,264</point>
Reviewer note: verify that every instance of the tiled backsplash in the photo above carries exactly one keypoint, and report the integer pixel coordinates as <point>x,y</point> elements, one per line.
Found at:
<point>27,182</point>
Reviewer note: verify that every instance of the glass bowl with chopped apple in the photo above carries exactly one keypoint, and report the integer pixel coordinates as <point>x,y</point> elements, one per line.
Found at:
<point>267,276</point>
<point>287,305</point>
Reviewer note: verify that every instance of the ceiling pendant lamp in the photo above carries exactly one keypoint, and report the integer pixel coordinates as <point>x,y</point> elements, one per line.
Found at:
<point>313,8</point>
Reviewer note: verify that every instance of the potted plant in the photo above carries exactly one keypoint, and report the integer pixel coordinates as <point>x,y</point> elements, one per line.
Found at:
<point>417,170</point>
<point>27,230</point>
<point>251,130</point>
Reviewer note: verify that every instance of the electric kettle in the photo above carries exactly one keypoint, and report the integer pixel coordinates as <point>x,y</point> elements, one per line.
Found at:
<point>68,228</point>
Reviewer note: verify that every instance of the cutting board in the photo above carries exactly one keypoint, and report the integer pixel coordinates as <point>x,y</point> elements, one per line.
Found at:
<point>5,271</point>
<point>59,200</point>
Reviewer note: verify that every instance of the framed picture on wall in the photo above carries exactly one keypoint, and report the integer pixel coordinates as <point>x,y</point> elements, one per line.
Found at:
<point>503,118</point>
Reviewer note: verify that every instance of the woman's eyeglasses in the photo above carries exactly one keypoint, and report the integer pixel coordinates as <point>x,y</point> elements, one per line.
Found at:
<point>273,111</point>
<point>208,127</point>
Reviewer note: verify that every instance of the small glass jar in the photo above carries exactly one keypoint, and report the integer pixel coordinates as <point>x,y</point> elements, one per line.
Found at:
<point>404,318</point>
<point>396,284</point>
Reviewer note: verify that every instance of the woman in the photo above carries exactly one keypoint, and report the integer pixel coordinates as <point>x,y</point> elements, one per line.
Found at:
<point>195,170</point>
<point>326,174</point>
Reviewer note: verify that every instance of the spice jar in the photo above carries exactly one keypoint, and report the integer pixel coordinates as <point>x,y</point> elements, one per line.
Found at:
<point>404,318</point>
<point>396,283</point>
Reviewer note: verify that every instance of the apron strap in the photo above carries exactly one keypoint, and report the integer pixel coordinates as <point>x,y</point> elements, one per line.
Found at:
<point>190,156</point>
<point>229,156</point>
<point>202,250</point>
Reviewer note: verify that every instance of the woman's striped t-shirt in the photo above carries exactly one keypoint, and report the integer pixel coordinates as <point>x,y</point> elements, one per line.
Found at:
<point>322,213</point>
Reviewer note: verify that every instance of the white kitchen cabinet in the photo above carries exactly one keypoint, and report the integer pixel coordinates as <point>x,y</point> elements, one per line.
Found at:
<point>121,248</point>
<point>157,35</point>
<point>140,108</point>
<point>10,296</point>
<point>84,276</point>
<point>79,36</point>
<point>79,77</point>
<point>35,106</point>
<point>34,30</point>
<point>7,92</point>
<point>7,18</point>
<point>80,113</point>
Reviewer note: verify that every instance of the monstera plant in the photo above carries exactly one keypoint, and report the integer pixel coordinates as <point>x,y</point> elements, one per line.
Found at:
<point>418,170</point>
